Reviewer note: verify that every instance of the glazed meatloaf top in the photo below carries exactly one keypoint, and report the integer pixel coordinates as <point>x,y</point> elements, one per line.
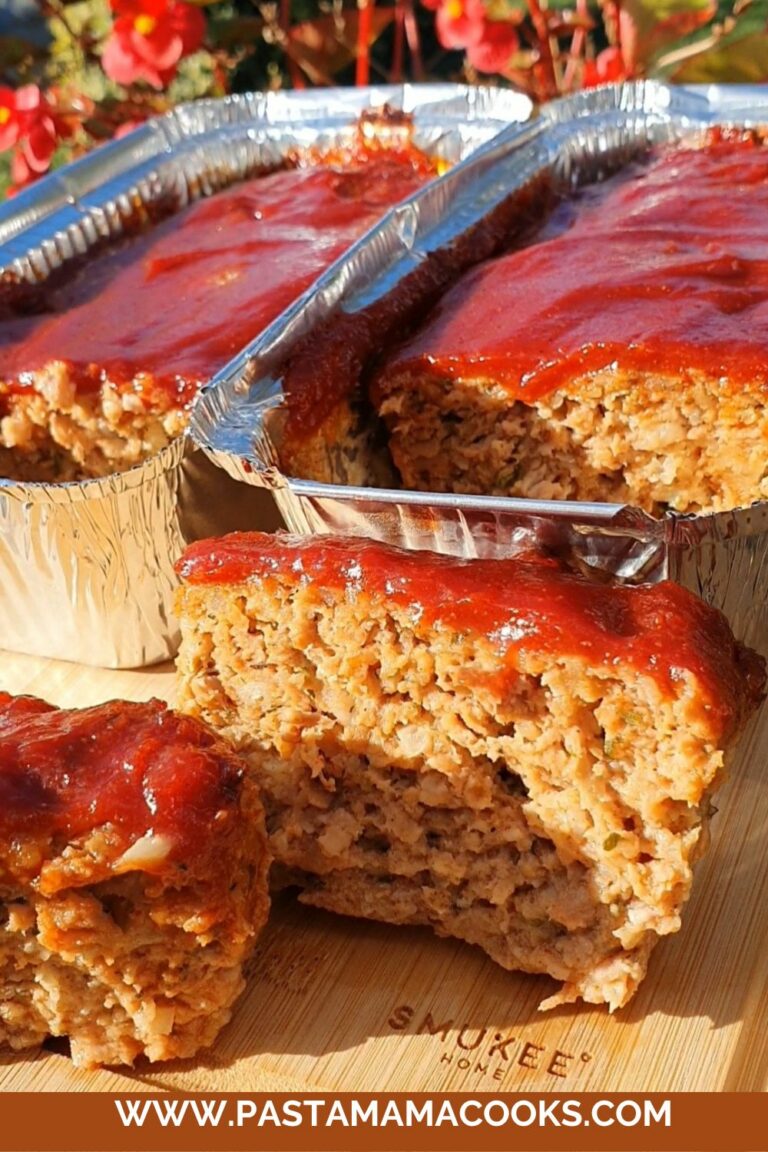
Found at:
<point>525,602</point>
<point>663,268</point>
<point>90,794</point>
<point>160,314</point>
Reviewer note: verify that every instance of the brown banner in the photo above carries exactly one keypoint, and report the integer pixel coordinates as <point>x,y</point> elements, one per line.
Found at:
<point>327,1122</point>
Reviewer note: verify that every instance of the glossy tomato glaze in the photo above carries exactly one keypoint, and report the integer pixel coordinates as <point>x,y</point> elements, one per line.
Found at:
<point>181,300</point>
<point>331,362</point>
<point>137,768</point>
<point>660,269</point>
<point>527,602</point>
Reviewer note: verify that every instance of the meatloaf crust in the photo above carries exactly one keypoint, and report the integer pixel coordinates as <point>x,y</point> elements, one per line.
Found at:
<point>133,866</point>
<point>499,749</point>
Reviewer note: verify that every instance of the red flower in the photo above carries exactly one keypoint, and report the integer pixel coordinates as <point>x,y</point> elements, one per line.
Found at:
<point>464,24</point>
<point>31,124</point>
<point>493,51</point>
<point>608,65</point>
<point>9,119</point>
<point>149,38</point>
<point>459,22</point>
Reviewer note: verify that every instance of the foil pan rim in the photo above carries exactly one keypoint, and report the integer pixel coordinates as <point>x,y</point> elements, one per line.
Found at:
<point>160,136</point>
<point>598,510</point>
<point>97,487</point>
<point>601,517</point>
<point>627,519</point>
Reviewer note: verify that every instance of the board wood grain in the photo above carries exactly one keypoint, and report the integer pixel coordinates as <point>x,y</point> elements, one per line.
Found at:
<point>341,1005</point>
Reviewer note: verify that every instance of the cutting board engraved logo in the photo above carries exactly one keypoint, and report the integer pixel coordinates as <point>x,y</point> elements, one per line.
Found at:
<point>484,1052</point>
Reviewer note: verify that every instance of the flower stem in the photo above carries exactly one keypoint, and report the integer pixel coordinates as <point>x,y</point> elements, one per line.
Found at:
<point>576,51</point>
<point>396,74</point>
<point>413,39</point>
<point>363,54</point>
<point>547,74</point>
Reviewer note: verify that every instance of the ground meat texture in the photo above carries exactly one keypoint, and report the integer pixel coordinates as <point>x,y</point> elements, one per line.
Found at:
<point>55,433</point>
<point>133,867</point>
<point>620,360</point>
<point>498,749</point>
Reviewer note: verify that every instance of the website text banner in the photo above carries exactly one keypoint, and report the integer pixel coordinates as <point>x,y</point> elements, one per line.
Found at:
<point>327,1122</point>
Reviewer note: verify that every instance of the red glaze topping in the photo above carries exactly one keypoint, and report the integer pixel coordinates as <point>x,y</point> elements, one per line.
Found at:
<point>662,267</point>
<point>137,768</point>
<point>328,362</point>
<point>333,360</point>
<point>183,299</point>
<point>522,602</point>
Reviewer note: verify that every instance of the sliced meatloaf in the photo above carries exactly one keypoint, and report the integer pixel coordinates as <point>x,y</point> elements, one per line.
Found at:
<point>623,359</point>
<point>133,865</point>
<point>496,748</point>
<point>102,372</point>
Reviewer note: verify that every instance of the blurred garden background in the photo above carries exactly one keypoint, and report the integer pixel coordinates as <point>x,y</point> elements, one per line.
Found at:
<point>74,73</point>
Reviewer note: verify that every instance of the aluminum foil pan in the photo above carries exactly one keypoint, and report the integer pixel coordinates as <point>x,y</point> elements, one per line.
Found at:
<point>87,569</point>
<point>723,557</point>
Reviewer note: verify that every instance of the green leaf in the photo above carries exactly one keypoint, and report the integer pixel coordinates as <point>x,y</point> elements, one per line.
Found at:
<point>743,60</point>
<point>504,10</point>
<point>650,26</point>
<point>736,19</point>
<point>86,17</point>
<point>5,174</point>
<point>195,78</point>
<point>62,155</point>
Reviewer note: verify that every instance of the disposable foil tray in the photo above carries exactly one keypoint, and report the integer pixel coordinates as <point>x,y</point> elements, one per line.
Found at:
<point>723,557</point>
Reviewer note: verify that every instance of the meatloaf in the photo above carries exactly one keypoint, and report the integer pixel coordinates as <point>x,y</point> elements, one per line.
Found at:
<point>101,374</point>
<point>323,429</point>
<point>622,359</point>
<point>133,869</point>
<point>499,749</point>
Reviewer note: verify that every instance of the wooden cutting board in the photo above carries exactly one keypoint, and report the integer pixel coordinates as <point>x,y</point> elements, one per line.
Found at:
<point>335,1004</point>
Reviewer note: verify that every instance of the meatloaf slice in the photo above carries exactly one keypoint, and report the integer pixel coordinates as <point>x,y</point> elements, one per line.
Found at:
<point>133,868</point>
<point>496,748</point>
<point>620,360</point>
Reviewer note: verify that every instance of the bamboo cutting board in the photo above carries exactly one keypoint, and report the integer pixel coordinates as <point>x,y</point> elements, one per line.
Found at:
<point>341,1005</point>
